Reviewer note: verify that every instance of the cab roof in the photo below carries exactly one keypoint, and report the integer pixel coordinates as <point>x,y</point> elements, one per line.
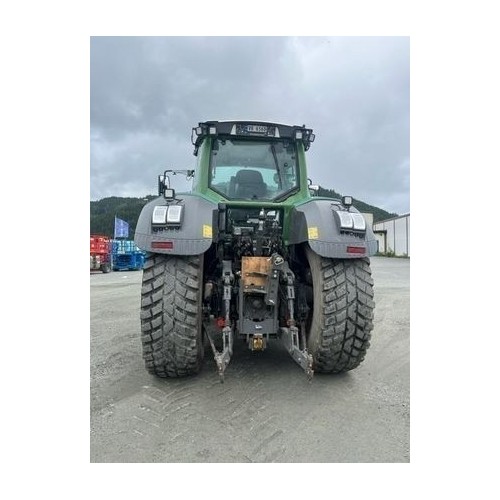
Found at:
<point>250,129</point>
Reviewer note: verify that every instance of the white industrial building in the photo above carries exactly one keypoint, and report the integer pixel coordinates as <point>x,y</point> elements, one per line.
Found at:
<point>393,235</point>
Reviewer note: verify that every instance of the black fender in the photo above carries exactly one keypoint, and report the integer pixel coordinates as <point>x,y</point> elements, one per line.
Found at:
<point>315,222</point>
<point>194,236</point>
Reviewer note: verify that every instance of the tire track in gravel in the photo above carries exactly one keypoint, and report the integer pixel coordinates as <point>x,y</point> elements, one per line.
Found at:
<point>239,420</point>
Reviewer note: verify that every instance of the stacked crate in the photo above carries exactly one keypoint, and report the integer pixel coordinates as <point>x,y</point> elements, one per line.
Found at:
<point>127,256</point>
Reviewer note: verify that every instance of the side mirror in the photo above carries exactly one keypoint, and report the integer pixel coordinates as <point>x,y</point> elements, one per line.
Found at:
<point>163,183</point>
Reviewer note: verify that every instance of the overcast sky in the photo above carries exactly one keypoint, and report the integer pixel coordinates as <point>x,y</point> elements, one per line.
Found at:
<point>146,94</point>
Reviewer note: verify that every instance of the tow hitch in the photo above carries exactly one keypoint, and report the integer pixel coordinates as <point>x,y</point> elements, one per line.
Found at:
<point>257,341</point>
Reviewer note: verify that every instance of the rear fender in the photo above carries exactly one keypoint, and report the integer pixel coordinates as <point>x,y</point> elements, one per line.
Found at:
<point>194,235</point>
<point>314,222</point>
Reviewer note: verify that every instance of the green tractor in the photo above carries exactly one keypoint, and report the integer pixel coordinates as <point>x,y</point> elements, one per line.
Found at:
<point>251,254</point>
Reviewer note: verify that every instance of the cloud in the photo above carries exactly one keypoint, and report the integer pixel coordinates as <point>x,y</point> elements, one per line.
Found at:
<point>148,92</point>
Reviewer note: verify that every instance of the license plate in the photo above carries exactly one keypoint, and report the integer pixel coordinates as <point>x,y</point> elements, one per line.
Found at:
<point>254,129</point>
<point>257,129</point>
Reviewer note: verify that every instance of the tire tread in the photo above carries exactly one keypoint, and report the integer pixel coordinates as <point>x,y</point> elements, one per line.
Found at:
<point>170,324</point>
<point>342,323</point>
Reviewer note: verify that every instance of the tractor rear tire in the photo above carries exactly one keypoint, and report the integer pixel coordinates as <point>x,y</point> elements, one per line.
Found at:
<point>171,325</point>
<point>342,312</point>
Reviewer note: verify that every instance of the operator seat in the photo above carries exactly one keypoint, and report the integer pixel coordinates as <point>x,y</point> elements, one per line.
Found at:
<point>249,184</point>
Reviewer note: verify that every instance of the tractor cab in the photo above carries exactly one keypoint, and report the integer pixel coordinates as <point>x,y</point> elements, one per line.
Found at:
<point>250,161</point>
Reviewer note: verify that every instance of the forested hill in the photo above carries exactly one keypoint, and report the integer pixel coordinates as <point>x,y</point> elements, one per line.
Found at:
<point>378,213</point>
<point>103,212</point>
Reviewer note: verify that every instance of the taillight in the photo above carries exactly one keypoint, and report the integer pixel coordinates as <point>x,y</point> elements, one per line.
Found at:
<point>166,245</point>
<point>356,249</point>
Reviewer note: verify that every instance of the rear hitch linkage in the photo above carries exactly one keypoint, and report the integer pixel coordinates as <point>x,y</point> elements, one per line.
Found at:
<point>289,335</point>
<point>222,358</point>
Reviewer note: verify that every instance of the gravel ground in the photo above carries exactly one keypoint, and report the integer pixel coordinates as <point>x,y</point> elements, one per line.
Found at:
<point>266,411</point>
